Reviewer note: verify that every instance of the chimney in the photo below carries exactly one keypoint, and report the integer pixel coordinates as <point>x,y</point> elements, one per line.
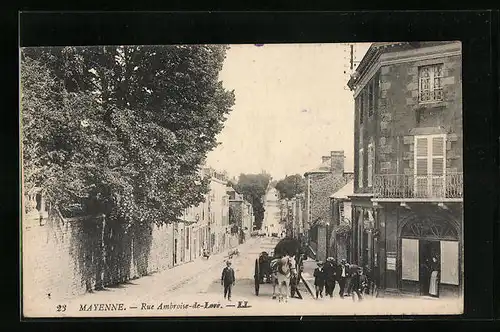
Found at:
<point>324,159</point>
<point>337,162</point>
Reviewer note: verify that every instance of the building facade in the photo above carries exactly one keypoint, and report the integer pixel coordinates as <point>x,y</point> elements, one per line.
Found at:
<point>407,201</point>
<point>241,217</point>
<point>218,211</point>
<point>340,242</point>
<point>320,184</point>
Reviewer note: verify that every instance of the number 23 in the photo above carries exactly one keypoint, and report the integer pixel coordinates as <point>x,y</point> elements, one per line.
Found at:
<point>61,308</point>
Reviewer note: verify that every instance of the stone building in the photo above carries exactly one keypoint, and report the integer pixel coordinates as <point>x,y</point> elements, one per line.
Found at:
<point>241,217</point>
<point>407,204</point>
<point>321,182</point>
<point>340,238</point>
<point>218,211</point>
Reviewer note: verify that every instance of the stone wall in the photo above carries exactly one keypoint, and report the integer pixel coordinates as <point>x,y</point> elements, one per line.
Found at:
<point>68,257</point>
<point>400,112</point>
<point>323,185</point>
<point>397,112</point>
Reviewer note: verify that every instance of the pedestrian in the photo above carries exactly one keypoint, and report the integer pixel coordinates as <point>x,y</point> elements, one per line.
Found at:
<point>434,281</point>
<point>330,272</point>
<point>342,275</point>
<point>319,279</point>
<point>358,282</point>
<point>228,280</point>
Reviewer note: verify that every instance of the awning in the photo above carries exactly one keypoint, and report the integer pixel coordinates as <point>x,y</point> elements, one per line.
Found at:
<point>345,191</point>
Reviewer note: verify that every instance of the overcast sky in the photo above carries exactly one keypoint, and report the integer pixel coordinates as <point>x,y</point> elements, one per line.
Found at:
<point>292,106</point>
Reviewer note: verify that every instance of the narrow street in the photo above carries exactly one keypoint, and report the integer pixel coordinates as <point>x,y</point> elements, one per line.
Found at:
<point>194,289</point>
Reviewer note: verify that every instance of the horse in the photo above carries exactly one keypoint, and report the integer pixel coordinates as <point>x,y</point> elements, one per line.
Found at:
<point>283,269</point>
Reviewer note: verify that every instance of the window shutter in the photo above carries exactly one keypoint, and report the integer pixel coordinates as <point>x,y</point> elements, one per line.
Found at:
<point>421,158</point>
<point>438,156</point>
<point>438,166</point>
<point>360,168</point>
<point>370,165</point>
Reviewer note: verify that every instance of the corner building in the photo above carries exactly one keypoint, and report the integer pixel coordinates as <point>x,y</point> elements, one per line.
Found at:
<point>407,203</point>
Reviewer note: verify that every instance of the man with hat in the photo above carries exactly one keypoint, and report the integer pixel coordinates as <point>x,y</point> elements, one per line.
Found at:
<point>228,280</point>
<point>342,276</point>
<point>330,276</point>
<point>319,279</point>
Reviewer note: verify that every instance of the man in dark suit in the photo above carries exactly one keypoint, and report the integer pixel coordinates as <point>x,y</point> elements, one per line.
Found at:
<point>330,272</point>
<point>342,275</point>
<point>228,280</point>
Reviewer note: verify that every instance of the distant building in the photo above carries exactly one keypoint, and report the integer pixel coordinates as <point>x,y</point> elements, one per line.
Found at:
<point>340,239</point>
<point>408,186</point>
<point>241,217</point>
<point>321,182</point>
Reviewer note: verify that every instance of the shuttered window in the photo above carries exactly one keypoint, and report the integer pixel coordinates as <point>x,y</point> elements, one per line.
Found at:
<point>371,164</point>
<point>430,165</point>
<point>360,169</point>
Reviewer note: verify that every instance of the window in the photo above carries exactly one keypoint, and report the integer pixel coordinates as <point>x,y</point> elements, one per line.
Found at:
<point>430,165</point>
<point>430,87</point>
<point>371,164</point>
<point>360,169</point>
<point>360,106</point>
<point>370,98</point>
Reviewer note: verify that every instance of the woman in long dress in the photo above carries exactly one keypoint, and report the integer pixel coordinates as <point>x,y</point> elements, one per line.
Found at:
<point>433,286</point>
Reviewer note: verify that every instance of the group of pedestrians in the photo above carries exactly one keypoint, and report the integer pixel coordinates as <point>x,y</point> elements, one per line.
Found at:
<point>350,278</point>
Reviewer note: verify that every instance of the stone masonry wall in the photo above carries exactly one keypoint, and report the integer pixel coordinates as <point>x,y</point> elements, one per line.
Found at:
<point>66,258</point>
<point>323,185</point>
<point>399,112</point>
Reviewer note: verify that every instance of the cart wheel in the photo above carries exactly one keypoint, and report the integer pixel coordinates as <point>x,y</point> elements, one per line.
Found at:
<point>257,277</point>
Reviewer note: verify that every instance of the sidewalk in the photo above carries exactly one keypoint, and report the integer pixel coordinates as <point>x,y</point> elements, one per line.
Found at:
<point>164,281</point>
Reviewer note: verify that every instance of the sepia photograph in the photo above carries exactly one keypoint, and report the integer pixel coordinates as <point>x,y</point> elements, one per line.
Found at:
<point>242,180</point>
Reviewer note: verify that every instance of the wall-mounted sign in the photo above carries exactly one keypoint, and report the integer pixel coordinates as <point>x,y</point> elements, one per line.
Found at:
<point>391,261</point>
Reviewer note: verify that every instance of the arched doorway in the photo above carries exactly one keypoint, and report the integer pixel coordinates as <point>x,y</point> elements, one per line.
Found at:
<point>429,255</point>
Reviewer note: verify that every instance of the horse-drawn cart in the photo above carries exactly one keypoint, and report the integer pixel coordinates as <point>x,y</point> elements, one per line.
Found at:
<point>264,273</point>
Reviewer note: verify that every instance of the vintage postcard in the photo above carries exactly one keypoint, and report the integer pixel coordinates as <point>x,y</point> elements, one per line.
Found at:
<point>242,180</point>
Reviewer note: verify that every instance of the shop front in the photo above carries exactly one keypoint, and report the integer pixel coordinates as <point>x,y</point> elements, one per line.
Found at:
<point>423,250</point>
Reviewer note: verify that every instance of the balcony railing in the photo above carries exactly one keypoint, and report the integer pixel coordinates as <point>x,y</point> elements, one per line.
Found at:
<point>449,185</point>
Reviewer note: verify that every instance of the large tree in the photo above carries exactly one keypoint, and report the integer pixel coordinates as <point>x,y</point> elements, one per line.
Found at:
<point>122,129</point>
<point>253,187</point>
<point>290,186</point>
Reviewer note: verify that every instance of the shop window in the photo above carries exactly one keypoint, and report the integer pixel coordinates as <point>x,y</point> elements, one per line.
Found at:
<point>449,262</point>
<point>410,259</point>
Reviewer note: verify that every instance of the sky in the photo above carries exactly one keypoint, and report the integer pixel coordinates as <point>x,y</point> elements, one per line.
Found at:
<point>292,107</point>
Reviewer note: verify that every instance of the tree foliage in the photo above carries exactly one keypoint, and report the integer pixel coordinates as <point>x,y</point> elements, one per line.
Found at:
<point>122,130</point>
<point>290,186</point>
<point>253,187</point>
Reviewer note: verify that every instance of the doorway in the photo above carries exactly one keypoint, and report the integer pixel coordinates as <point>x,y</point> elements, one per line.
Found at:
<point>429,253</point>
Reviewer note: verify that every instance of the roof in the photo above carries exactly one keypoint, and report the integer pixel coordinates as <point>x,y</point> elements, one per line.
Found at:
<point>345,191</point>
<point>323,168</point>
